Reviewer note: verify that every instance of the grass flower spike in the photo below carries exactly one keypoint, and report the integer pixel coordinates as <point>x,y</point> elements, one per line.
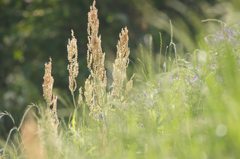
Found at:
<point>95,85</point>
<point>50,99</point>
<point>48,83</point>
<point>95,55</point>
<point>121,63</point>
<point>73,63</point>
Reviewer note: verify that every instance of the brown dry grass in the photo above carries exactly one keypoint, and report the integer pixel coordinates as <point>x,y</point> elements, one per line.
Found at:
<point>30,135</point>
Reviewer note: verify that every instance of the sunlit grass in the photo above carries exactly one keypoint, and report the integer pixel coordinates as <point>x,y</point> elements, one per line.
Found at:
<point>179,107</point>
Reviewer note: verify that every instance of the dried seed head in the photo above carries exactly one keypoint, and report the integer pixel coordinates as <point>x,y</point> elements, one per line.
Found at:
<point>93,22</point>
<point>89,92</point>
<point>48,83</point>
<point>121,63</point>
<point>95,55</point>
<point>53,114</point>
<point>95,85</point>
<point>73,63</point>
<point>50,99</point>
<point>122,46</point>
<point>92,98</point>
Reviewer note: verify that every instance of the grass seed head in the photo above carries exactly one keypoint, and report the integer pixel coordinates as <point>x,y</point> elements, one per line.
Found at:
<point>121,63</point>
<point>95,85</point>
<point>92,98</point>
<point>95,55</point>
<point>50,99</point>
<point>53,114</point>
<point>48,83</point>
<point>89,91</point>
<point>73,63</point>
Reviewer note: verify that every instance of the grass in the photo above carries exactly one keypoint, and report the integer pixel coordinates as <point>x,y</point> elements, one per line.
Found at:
<point>179,107</point>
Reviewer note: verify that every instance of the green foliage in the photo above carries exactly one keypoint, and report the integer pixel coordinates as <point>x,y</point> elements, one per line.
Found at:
<point>187,108</point>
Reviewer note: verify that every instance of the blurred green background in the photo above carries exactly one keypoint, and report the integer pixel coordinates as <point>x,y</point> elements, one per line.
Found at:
<point>31,31</point>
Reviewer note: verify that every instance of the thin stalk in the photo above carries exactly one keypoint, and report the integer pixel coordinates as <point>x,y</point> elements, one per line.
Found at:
<point>73,98</point>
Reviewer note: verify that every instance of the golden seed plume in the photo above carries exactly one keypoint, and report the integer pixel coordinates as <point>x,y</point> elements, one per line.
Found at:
<point>92,98</point>
<point>121,63</point>
<point>73,63</point>
<point>95,85</point>
<point>50,99</point>
<point>89,92</point>
<point>95,55</point>
<point>48,83</point>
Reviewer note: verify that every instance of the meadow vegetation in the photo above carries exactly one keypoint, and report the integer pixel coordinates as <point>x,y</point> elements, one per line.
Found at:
<point>174,105</point>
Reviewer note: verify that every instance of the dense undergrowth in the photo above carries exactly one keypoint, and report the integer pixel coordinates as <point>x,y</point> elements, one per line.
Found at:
<point>180,106</point>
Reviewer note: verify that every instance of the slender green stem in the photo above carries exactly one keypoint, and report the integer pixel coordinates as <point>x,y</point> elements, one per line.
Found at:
<point>73,98</point>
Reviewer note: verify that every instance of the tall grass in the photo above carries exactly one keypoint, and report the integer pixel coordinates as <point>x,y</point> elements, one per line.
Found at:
<point>174,106</point>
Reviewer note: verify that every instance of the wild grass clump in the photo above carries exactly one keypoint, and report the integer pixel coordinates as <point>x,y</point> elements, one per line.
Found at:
<point>178,107</point>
